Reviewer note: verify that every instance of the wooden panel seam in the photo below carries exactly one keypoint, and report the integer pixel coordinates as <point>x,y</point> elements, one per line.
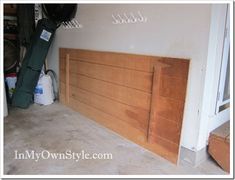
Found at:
<point>130,78</point>
<point>85,61</point>
<point>113,99</point>
<point>125,112</point>
<point>141,90</point>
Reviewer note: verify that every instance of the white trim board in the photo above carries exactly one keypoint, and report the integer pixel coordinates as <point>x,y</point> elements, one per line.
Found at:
<point>209,119</point>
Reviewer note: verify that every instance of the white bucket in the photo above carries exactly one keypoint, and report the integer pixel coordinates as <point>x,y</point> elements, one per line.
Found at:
<point>43,93</point>
<point>5,103</point>
<point>11,83</point>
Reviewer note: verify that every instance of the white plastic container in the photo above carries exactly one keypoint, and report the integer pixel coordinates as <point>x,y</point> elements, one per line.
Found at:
<point>43,93</point>
<point>11,83</point>
<point>5,103</point>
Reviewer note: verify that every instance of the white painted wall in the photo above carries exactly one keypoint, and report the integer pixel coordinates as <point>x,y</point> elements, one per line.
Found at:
<point>171,30</point>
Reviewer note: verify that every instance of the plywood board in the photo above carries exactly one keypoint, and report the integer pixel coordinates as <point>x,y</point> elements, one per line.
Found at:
<point>140,97</point>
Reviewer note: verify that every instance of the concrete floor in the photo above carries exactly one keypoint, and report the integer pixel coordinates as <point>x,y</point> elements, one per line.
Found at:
<point>57,128</point>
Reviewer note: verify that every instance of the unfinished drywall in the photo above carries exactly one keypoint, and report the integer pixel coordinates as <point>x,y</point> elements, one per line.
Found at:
<point>171,30</point>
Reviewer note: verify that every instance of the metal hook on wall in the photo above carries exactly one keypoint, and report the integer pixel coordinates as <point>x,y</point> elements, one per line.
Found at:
<point>133,18</point>
<point>141,18</point>
<point>128,18</point>
<point>73,24</point>
<point>121,20</point>
<point>115,20</point>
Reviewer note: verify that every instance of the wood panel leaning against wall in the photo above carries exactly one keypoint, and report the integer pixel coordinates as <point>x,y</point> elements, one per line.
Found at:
<point>140,97</point>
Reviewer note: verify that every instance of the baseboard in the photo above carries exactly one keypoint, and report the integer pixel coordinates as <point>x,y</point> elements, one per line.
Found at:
<point>192,158</point>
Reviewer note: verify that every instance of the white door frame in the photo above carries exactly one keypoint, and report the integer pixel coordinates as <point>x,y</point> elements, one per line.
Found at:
<point>224,64</point>
<point>209,118</point>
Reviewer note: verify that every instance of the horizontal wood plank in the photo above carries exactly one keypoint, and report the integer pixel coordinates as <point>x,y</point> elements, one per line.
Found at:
<point>165,129</point>
<point>170,109</point>
<point>123,60</point>
<point>136,117</point>
<point>175,68</point>
<point>128,78</point>
<point>168,145</point>
<point>174,88</point>
<point>118,93</point>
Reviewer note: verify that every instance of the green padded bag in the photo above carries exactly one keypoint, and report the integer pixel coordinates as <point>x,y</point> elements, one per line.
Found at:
<point>33,62</point>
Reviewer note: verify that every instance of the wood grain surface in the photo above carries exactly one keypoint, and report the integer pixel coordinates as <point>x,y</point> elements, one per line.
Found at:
<point>140,97</point>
